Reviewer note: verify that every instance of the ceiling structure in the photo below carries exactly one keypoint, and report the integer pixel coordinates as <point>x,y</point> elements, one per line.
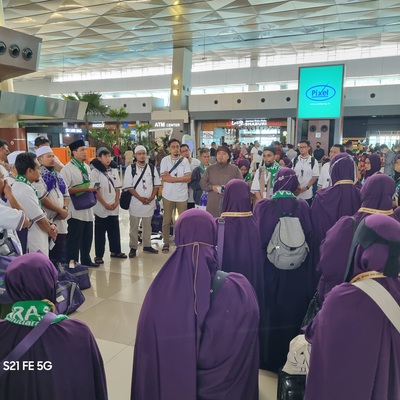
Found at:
<point>87,35</point>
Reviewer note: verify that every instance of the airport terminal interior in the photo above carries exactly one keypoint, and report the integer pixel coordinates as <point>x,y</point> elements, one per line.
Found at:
<point>211,71</point>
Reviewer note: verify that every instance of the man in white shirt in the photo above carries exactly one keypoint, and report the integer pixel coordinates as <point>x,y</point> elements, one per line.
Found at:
<point>324,179</point>
<point>4,152</point>
<point>53,194</point>
<point>43,141</point>
<point>12,173</point>
<point>263,182</point>
<point>41,228</point>
<point>307,171</point>
<point>76,175</point>
<point>105,172</point>
<point>143,181</point>
<point>256,155</point>
<point>193,162</point>
<point>175,174</point>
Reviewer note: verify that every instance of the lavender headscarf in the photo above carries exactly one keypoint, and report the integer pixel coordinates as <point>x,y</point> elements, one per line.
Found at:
<point>342,167</point>
<point>286,179</point>
<point>168,347</point>
<point>244,163</point>
<point>31,276</point>
<point>375,161</point>
<point>349,323</point>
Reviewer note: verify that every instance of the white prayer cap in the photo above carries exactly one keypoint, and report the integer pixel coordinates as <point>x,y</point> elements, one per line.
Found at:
<point>43,150</point>
<point>12,156</point>
<point>140,148</point>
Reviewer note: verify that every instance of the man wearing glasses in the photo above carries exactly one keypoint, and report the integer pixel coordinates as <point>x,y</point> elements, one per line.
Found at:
<point>307,171</point>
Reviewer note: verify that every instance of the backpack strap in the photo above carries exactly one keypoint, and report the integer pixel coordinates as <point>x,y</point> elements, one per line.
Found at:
<point>294,208</point>
<point>152,171</point>
<point>28,341</point>
<point>383,299</point>
<point>350,259</point>
<point>295,160</point>
<point>216,283</point>
<point>312,162</point>
<point>283,214</point>
<point>220,242</point>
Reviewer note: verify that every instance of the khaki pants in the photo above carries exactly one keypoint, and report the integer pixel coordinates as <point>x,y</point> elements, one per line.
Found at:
<point>134,231</point>
<point>169,208</point>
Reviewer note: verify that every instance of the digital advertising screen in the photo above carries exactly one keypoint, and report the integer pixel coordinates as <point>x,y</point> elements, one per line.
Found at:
<point>320,92</point>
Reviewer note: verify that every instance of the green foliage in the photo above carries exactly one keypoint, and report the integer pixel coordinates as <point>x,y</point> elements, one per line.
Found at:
<point>103,137</point>
<point>118,115</point>
<point>94,107</point>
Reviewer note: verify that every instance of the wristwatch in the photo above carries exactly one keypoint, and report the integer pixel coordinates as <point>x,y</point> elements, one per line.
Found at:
<point>65,208</point>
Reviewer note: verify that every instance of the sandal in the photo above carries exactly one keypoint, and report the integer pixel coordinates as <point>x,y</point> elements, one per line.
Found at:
<point>165,249</point>
<point>99,260</point>
<point>118,255</point>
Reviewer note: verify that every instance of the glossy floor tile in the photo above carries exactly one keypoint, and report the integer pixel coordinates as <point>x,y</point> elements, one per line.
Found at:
<point>112,308</point>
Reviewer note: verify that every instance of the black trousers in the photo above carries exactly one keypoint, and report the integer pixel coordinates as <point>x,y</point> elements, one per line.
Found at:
<point>79,240</point>
<point>109,225</point>
<point>58,252</point>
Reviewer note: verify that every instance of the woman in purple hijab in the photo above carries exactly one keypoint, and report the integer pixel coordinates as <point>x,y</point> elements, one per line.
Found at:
<point>376,198</point>
<point>373,164</point>
<point>242,251</point>
<point>354,347</point>
<point>332,203</point>
<point>77,370</point>
<point>287,292</point>
<point>189,346</point>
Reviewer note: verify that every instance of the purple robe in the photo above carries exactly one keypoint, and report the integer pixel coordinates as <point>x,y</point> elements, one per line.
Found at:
<point>354,347</point>
<point>187,347</point>
<point>376,193</point>
<point>287,293</point>
<point>332,203</point>
<point>242,244</point>
<point>77,367</point>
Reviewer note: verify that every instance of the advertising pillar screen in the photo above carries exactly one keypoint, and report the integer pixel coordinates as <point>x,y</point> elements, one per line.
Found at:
<point>320,92</point>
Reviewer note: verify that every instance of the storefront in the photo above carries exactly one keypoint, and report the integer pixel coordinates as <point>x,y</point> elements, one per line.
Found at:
<point>244,130</point>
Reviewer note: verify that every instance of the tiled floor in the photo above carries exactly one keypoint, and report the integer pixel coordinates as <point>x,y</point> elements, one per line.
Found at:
<point>112,309</point>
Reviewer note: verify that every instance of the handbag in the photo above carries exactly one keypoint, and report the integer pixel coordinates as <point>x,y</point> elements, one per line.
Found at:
<point>4,296</point>
<point>79,274</point>
<point>68,297</point>
<point>84,201</point>
<point>28,341</point>
<point>125,198</point>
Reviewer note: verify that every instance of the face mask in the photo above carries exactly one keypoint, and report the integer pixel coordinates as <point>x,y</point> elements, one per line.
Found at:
<point>318,146</point>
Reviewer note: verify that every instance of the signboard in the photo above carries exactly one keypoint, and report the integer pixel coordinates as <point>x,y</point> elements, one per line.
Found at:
<point>320,92</point>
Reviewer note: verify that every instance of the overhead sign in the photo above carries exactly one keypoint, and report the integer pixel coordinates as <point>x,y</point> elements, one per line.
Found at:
<point>320,93</point>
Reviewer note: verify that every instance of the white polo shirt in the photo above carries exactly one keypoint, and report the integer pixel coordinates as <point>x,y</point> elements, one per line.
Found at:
<point>73,176</point>
<point>175,191</point>
<point>109,183</point>
<point>324,179</point>
<point>305,172</point>
<point>37,238</point>
<point>144,189</point>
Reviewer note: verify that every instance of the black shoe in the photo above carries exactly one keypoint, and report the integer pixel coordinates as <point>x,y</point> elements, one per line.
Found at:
<point>92,264</point>
<point>132,253</point>
<point>150,250</point>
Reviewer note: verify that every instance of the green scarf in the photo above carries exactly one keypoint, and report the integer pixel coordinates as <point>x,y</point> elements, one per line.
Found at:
<point>248,178</point>
<point>273,170</point>
<point>29,313</point>
<point>21,178</point>
<point>283,194</point>
<point>82,168</point>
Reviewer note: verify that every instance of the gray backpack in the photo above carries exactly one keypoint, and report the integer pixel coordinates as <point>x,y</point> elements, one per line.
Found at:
<point>287,248</point>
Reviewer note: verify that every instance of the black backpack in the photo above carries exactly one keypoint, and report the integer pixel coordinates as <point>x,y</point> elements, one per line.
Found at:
<point>133,166</point>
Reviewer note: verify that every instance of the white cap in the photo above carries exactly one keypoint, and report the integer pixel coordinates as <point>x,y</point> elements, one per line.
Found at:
<point>12,156</point>
<point>140,148</point>
<point>43,150</point>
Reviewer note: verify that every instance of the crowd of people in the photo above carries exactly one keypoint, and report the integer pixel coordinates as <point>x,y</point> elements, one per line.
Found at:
<point>270,232</point>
